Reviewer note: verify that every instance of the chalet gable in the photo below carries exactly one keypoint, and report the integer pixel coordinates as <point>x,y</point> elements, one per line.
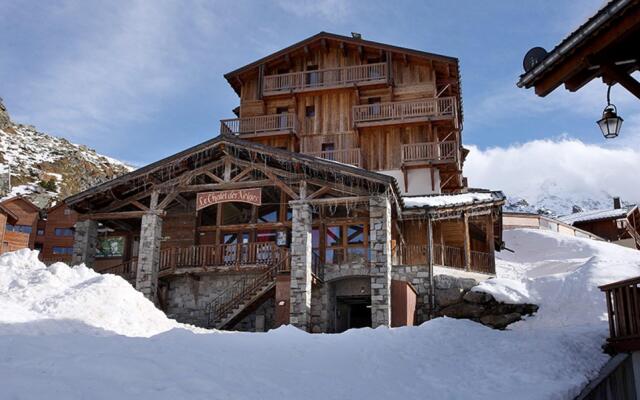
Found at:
<point>364,49</point>
<point>227,163</point>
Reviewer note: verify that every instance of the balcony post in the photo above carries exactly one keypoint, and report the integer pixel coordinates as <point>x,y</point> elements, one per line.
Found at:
<point>149,255</point>
<point>85,242</point>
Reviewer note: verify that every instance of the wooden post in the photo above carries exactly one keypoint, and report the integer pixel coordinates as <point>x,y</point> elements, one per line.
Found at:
<point>467,242</point>
<point>491,240</point>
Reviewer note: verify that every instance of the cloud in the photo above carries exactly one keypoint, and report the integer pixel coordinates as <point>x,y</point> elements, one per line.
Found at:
<point>333,10</point>
<point>564,166</point>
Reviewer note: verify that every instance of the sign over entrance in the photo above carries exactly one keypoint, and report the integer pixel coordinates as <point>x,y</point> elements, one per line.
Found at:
<point>252,196</point>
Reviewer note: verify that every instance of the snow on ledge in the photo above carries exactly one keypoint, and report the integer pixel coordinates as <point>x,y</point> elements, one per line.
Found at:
<point>447,199</point>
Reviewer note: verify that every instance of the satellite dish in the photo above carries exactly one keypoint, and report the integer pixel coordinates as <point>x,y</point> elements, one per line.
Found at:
<point>533,58</point>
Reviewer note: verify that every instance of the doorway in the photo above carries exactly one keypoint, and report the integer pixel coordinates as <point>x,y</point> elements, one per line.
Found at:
<point>353,312</point>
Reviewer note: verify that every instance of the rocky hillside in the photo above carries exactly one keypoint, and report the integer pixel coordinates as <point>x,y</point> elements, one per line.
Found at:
<point>47,168</point>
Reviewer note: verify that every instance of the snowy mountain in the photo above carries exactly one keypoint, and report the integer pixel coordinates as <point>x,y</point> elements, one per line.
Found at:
<point>47,168</point>
<point>555,200</point>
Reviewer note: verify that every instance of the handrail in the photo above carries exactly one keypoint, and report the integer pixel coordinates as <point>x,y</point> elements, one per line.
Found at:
<point>324,78</point>
<point>230,255</point>
<point>430,151</point>
<point>447,256</point>
<point>128,269</point>
<point>221,306</point>
<point>345,156</point>
<point>260,124</point>
<point>442,107</point>
<point>623,308</point>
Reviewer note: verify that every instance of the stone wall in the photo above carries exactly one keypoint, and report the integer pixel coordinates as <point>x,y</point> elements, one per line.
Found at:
<point>260,320</point>
<point>149,256</point>
<point>85,242</point>
<point>418,277</point>
<point>300,300</point>
<point>380,259</point>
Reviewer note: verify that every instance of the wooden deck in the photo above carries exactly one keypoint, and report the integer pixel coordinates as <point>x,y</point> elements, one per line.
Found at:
<point>429,152</point>
<point>356,75</point>
<point>263,125</point>
<point>623,307</point>
<point>375,114</point>
<point>444,256</point>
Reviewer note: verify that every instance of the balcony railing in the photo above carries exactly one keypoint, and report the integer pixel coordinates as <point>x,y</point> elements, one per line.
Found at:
<point>623,307</point>
<point>430,151</point>
<point>324,78</point>
<point>405,111</point>
<point>447,256</point>
<point>260,125</point>
<point>349,156</point>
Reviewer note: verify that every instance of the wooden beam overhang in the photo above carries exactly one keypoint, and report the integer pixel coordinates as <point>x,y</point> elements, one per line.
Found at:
<point>118,215</point>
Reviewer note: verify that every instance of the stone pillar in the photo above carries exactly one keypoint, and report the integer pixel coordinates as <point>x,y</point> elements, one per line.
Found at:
<point>149,255</point>
<point>300,293</point>
<point>380,259</point>
<point>85,242</point>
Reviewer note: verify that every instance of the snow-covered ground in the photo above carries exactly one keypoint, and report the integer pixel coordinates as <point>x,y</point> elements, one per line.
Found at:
<point>70,333</point>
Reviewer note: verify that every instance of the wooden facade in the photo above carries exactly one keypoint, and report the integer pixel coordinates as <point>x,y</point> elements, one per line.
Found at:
<point>332,133</point>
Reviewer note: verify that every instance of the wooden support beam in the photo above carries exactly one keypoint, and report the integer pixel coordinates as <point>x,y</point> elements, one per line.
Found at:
<point>344,49</point>
<point>153,204</point>
<point>335,200</point>
<point>467,241</point>
<point>139,205</point>
<point>118,215</point>
<point>283,186</point>
<point>121,203</point>
<point>320,192</point>
<point>612,74</point>
<point>361,52</point>
<point>167,200</point>
<point>213,176</point>
<point>223,186</point>
<point>242,174</point>
<point>227,169</point>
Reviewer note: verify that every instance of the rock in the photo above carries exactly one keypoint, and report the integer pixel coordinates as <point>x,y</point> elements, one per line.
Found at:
<point>477,297</point>
<point>463,310</point>
<point>500,321</point>
<point>448,282</point>
<point>447,297</point>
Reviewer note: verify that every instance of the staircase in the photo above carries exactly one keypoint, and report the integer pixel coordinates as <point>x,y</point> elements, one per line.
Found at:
<point>243,293</point>
<point>633,232</point>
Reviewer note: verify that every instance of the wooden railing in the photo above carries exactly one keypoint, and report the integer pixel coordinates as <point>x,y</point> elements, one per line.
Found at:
<point>623,307</point>
<point>430,151</point>
<point>127,270</point>
<point>324,78</point>
<point>229,255</point>
<point>242,291</point>
<point>260,125</point>
<point>348,156</point>
<point>54,259</point>
<point>436,108</point>
<point>447,256</point>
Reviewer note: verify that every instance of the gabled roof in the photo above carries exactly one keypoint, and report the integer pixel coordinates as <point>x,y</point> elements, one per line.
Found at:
<point>177,164</point>
<point>596,215</point>
<point>12,218</point>
<point>340,38</point>
<point>23,199</point>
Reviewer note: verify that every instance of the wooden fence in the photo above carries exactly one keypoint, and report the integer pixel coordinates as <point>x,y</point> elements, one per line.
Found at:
<point>260,124</point>
<point>430,151</point>
<point>447,256</point>
<point>623,307</point>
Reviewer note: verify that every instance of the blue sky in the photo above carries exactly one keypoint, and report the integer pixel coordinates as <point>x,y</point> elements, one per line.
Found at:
<point>142,80</point>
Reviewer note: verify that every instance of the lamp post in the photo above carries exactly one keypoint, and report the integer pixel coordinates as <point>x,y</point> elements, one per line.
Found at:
<point>610,122</point>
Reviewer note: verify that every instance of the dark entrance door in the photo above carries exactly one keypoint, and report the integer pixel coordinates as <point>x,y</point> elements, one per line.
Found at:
<point>353,312</point>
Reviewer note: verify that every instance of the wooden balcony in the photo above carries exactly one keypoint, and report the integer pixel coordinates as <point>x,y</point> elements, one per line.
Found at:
<point>358,75</point>
<point>441,108</point>
<point>623,307</point>
<point>263,125</point>
<point>348,156</point>
<point>446,256</point>
<point>430,152</point>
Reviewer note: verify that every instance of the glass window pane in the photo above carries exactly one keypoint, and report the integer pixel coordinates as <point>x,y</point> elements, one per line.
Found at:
<point>315,238</point>
<point>230,238</point>
<point>334,256</point>
<point>266,236</point>
<point>334,236</point>
<point>355,234</point>
<point>268,214</point>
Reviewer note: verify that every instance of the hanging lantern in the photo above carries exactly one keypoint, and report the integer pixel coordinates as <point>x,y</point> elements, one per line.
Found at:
<point>610,122</point>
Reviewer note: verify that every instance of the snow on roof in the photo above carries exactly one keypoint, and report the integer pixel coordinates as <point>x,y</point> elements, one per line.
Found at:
<point>443,200</point>
<point>594,215</point>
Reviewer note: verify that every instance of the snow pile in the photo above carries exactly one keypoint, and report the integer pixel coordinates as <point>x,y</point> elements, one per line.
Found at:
<point>550,355</point>
<point>64,300</point>
<point>560,274</point>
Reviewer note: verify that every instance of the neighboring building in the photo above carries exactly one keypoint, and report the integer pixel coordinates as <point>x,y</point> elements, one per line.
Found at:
<point>51,231</point>
<point>21,234</point>
<point>606,46</point>
<point>515,220</point>
<point>7,217</point>
<point>619,224</point>
<point>325,204</point>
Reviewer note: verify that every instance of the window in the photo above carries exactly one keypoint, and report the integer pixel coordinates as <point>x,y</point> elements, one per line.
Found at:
<point>313,78</point>
<point>346,243</point>
<point>38,246</point>
<point>19,228</point>
<point>334,236</point>
<point>310,111</point>
<point>355,234</point>
<point>67,211</point>
<point>375,105</point>
<point>328,147</point>
<point>40,232</point>
<point>62,250</point>
<point>63,231</point>
<point>268,214</point>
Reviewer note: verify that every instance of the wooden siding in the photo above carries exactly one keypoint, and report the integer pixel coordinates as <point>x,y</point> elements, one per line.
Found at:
<point>27,215</point>
<point>57,217</point>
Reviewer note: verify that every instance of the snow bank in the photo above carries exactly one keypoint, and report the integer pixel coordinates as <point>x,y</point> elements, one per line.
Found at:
<point>551,355</point>
<point>70,299</point>
<point>446,199</point>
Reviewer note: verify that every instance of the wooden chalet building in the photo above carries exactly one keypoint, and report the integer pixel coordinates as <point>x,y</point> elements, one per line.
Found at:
<point>324,204</point>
